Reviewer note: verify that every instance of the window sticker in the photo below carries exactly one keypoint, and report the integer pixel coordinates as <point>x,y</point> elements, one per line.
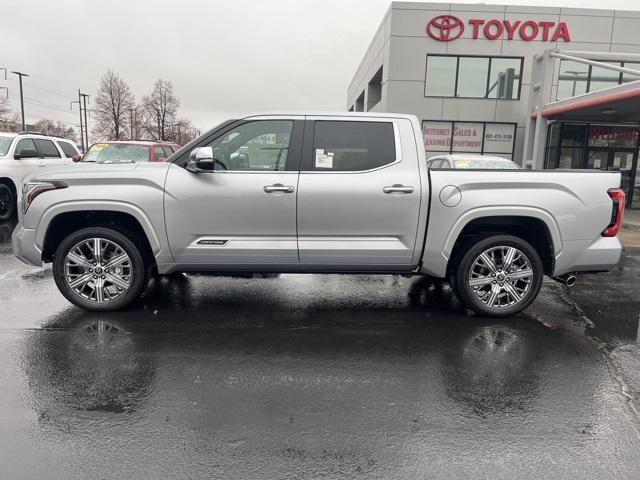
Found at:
<point>324,159</point>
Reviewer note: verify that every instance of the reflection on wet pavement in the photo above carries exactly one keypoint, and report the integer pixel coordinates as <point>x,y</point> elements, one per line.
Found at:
<point>313,376</point>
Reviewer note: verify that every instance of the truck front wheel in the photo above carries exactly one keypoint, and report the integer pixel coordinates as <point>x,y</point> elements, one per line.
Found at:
<point>99,269</point>
<point>7,202</point>
<point>499,276</point>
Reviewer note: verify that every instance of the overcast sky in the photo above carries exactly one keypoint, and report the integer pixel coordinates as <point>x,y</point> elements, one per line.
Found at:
<point>224,57</point>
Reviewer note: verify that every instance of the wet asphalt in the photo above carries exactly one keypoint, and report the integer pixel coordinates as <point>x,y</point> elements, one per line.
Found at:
<point>318,377</point>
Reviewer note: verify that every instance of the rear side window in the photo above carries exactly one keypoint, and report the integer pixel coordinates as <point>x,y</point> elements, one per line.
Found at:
<point>352,146</point>
<point>46,148</point>
<point>68,149</point>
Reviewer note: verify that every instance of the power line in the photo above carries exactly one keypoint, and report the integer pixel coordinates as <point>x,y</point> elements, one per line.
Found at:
<point>31,85</point>
<point>48,106</point>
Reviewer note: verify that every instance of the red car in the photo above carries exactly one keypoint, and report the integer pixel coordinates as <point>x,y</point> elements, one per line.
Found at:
<point>129,151</point>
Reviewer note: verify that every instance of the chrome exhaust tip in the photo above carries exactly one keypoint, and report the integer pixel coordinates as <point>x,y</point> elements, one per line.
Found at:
<point>569,279</point>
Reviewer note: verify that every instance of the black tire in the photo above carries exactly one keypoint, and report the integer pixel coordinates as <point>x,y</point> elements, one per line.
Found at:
<point>473,250</point>
<point>7,202</point>
<point>126,241</point>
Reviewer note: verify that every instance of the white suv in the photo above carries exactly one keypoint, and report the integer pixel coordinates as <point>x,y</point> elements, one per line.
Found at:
<point>22,154</point>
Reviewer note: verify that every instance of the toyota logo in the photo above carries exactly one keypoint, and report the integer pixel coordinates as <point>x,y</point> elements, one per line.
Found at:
<point>445,28</point>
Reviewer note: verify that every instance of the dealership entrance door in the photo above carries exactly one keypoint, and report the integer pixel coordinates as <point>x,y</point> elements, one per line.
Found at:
<point>599,147</point>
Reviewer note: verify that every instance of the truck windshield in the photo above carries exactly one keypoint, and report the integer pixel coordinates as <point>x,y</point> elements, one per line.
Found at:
<point>117,153</point>
<point>5,143</point>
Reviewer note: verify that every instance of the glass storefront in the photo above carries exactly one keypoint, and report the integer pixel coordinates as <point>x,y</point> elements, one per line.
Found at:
<point>597,146</point>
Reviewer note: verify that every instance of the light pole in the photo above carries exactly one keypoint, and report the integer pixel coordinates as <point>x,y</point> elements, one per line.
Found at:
<point>20,75</point>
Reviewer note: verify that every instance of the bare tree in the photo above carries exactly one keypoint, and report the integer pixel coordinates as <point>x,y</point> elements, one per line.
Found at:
<point>183,131</point>
<point>52,127</point>
<point>114,102</point>
<point>8,118</point>
<point>159,111</point>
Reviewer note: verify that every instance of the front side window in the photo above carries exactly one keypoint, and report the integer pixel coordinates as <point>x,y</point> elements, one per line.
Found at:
<point>158,153</point>
<point>262,145</point>
<point>473,76</point>
<point>345,146</point>
<point>46,148</point>
<point>26,146</point>
<point>168,151</point>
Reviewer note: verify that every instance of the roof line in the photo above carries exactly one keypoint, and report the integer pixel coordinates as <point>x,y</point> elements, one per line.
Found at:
<point>595,101</point>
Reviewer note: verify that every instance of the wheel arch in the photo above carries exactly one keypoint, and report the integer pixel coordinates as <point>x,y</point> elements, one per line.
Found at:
<point>537,230</point>
<point>11,184</point>
<point>58,226</point>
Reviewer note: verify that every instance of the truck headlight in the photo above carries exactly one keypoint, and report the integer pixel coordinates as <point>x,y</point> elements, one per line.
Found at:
<point>31,190</point>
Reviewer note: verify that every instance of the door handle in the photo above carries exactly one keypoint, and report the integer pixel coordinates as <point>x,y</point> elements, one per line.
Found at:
<point>278,187</point>
<point>397,188</point>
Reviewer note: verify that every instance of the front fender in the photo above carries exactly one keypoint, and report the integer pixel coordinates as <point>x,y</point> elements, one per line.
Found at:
<point>104,205</point>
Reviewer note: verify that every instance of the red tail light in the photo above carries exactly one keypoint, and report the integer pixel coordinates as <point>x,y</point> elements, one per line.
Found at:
<point>618,197</point>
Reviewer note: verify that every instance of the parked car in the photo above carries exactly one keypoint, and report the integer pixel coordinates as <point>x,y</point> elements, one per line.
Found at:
<point>460,160</point>
<point>23,153</point>
<point>129,151</point>
<point>320,193</point>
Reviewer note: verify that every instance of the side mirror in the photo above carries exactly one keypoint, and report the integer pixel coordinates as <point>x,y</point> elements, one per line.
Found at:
<point>201,160</point>
<point>26,153</point>
<point>76,158</point>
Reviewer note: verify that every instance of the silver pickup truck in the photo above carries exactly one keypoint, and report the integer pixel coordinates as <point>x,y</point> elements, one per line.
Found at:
<point>329,193</point>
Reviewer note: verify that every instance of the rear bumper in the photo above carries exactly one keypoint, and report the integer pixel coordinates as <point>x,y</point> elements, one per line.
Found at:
<point>601,254</point>
<point>24,246</point>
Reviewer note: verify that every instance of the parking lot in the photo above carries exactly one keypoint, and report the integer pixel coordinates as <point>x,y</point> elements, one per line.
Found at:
<point>318,377</point>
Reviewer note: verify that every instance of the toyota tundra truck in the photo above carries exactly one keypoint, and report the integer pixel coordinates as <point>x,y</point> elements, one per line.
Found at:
<point>317,193</point>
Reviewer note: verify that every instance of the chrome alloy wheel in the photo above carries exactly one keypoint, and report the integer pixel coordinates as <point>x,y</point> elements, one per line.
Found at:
<point>501,276</point>
<point>98,270</point>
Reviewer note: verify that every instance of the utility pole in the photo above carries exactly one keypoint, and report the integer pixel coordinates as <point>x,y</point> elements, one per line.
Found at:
<point>131,110</point>
<point>20,75</point>
<point>79,102</point>
<point>86,124</point>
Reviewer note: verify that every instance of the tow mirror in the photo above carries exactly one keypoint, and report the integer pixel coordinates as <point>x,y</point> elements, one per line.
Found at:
<point>201,160</point>
<point>26,153</point>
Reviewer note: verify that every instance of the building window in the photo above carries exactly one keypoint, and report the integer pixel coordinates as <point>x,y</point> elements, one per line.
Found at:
<point>469,76</point>
<point>578,78</point>
<point>374,90</point>
<point>490,138</point>
<point>360,103</point>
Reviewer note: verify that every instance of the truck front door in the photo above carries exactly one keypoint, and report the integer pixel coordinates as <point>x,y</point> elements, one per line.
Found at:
<point>359,194</point>
<point>243,214</point>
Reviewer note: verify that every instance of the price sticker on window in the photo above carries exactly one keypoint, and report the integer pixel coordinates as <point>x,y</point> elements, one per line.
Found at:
<point>323,159</point>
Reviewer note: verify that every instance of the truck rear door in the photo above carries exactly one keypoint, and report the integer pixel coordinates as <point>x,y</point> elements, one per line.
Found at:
<point>359,194</point>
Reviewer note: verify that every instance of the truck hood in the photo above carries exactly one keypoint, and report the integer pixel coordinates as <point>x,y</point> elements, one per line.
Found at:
<point>87,173</point>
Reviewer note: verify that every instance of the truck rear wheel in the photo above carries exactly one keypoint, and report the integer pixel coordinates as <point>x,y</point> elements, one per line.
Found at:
<point>99,269</point>
<point>499,276</point>
<point>7,202</point>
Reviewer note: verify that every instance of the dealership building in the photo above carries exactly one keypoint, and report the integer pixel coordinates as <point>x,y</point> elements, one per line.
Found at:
<point>547,87</point>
